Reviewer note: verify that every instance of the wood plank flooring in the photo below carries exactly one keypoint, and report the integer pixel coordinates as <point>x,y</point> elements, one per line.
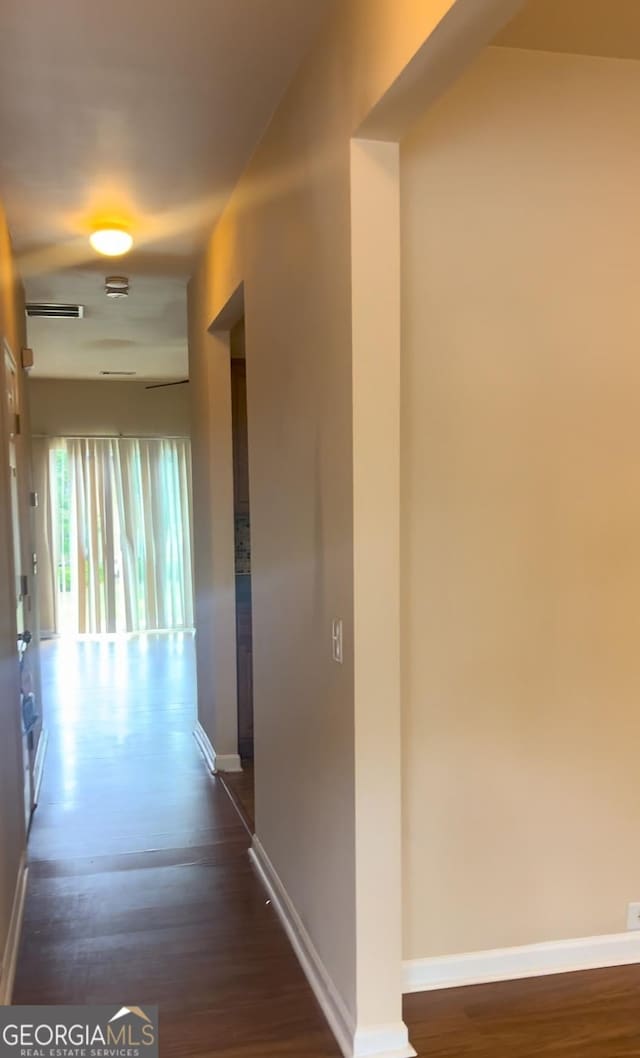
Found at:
<point>140,885</point>
<point>595,1014</point>
<point>141,891</point>
<point>240,787</point>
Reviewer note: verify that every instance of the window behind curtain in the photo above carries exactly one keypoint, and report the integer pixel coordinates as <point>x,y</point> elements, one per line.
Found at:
<point>121,527</point>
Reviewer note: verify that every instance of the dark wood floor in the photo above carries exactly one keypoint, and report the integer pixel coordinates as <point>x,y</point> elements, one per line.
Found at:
<point>141,891</point>
<point>240,787</point>
<point>140,887</point>
<point>585,1015</point>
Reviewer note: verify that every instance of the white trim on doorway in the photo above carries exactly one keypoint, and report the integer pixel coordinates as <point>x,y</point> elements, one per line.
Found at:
<point>10,956</point>
<point>215,761</point>
<point>376,1041</point>
<point>38,764</point>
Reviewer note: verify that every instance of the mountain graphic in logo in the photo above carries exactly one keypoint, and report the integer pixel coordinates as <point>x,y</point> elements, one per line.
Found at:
<point>138,1012</point>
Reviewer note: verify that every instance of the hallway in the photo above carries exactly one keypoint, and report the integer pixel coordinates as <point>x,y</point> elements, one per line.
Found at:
<point>141,892</point>
<point>140,886</point>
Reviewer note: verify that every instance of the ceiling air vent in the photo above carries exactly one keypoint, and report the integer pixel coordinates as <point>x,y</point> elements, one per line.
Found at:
<point>54,311</point>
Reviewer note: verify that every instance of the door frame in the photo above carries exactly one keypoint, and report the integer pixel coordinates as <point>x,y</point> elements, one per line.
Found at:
<point>216,728</point>
<point>13,439</point>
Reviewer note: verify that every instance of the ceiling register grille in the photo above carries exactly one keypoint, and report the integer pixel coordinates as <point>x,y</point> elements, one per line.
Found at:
<point>55,311</point>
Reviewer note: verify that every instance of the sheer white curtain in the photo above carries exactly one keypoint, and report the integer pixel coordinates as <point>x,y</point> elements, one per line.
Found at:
<point>121,533</point>
<point>44,528</point>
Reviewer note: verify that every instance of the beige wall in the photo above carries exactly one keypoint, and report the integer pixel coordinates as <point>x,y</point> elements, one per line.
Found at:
<point>11,776</point>
<point>521,506</point>
<point>327,756</point>
<point>65,407</point>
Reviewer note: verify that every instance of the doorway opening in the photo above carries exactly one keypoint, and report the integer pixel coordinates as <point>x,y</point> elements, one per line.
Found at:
<point>28,705</point>
<point>241,784</point>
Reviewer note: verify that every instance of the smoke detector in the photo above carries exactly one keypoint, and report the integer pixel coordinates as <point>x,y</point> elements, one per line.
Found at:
<point>116,286</point>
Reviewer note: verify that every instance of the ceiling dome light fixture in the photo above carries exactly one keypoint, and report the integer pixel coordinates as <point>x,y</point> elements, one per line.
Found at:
<point>112,241</point>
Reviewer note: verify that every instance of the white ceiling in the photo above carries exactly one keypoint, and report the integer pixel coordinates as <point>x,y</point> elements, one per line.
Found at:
<point>140,111</point>
<point>144,333</point>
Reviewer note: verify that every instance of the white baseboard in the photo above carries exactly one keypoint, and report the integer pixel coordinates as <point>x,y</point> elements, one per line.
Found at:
<point>205,746</point>
<point>382,1041</point>
<point>38,764</point>
<point>377,1041</point>
<point>215,761</point>
<point>529,960</point>
<point>10,957</point>
<point>228,762</point>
